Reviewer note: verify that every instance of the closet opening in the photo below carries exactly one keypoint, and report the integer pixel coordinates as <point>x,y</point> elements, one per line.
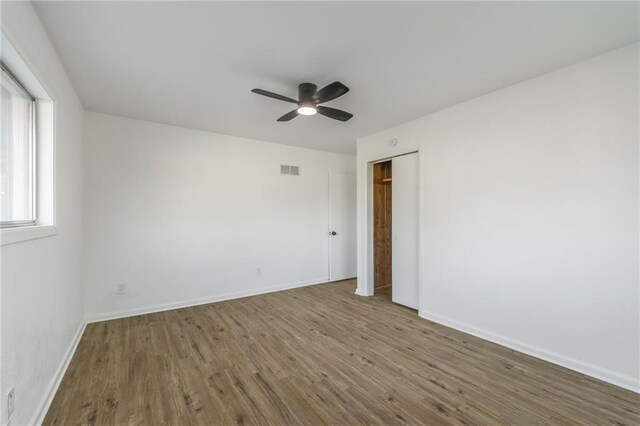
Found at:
<point>382,228</point>
<point>394,229</point>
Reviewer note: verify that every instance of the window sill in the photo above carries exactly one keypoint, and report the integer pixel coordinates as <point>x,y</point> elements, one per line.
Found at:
<point>26,233</point>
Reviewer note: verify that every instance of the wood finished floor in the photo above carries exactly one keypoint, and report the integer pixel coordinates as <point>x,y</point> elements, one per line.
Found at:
<point>317,355</point>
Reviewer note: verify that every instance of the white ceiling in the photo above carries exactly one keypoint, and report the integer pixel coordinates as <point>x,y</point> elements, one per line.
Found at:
<point>194,64</point>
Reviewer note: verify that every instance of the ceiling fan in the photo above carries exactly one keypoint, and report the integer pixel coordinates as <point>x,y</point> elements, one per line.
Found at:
<point>309,100</point>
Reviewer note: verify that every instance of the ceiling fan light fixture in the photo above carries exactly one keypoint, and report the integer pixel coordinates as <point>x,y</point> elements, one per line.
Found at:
<point>309,100</point>
<point>307,109</point>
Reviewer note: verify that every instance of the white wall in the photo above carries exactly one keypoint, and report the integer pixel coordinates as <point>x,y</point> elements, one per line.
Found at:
<point>530,215</point>
<point>182,216</point>
<point>42,295</point>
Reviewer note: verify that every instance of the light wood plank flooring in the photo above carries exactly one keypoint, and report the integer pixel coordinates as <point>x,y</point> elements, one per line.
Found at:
<point>317,355</point>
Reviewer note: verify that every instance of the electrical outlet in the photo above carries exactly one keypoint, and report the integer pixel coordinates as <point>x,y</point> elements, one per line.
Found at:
<point>258,272</point>
<point>11,402</point>
<point>121,289</point>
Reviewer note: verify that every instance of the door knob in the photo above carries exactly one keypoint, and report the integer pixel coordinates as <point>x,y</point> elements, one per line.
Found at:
<point>334,233</point>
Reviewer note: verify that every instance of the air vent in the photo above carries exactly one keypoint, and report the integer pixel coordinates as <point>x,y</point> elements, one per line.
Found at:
<point>289,170</point>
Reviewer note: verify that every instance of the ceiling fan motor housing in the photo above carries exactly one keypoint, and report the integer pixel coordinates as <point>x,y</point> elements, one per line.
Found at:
<point>306,91</point>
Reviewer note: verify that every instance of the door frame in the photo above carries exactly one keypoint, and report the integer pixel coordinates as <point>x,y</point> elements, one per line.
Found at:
<point>330,225</point>
<point>366,264</point>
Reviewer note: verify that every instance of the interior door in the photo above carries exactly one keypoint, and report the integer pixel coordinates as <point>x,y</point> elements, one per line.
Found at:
<point>404,229</point>
<point>342,226</point>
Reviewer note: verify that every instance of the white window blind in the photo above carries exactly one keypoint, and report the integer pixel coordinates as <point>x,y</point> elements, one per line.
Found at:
<point>17,154</point>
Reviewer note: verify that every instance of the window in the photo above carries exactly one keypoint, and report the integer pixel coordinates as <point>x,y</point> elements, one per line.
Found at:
<point>17,154</point>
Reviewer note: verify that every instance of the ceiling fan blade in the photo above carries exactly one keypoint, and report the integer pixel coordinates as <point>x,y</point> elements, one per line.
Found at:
<point>336,114</point>
<point>274,95</point>
<point>330,92</point>
<point>289,116</point>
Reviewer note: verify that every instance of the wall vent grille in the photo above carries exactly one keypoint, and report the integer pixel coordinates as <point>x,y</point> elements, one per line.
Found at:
<point>289,170</point>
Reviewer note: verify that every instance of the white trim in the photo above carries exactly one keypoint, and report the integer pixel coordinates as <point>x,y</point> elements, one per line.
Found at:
<point>626,382</point>
<point>24,70</point>
<point>369,281</point>
<point>45,403</point>
<point>360,293</point>
<point>330,229</point>
<point>329,226</point>
<point>199,301</point>
<point>26,233</point>
<point>45,141</point>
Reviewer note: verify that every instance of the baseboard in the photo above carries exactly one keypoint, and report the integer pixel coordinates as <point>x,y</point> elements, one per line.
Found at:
<point>199,301</point>
<point>626,382</point>
<point>344,279</point>
<point>44,405</point>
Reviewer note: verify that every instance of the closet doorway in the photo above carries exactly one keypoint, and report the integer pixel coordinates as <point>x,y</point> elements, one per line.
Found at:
<point>382,178</point>
<point>395,229</point>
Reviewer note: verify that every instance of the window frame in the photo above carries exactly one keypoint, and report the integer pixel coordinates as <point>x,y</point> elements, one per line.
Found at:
<point>33,156</point>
